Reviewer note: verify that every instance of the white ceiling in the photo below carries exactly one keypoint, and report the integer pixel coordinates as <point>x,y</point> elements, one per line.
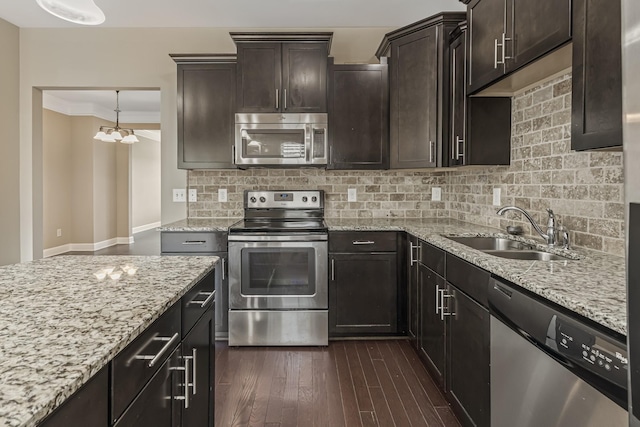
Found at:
<point>240,13</point>
<point>137,106</point>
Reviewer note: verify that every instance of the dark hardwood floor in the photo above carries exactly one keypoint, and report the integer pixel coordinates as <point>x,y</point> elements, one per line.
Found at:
<point>349,383</point>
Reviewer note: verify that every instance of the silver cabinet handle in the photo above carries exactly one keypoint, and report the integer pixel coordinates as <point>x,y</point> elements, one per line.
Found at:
<point>209,297</point>
<point>438,299</point>
<point>186,383</point>
<point>194,242</point>
<point>431,152</point>
<point>224,266</point>
<point>363,242</point>
<point>444,313</point>
<point>505,39</point>
<point>495,54</point>
<point>333,269</point>
<point>411,248</point>
<point>459,152</point>
<point>193,371</point>
<point>277,99</point>
<point>155,358</point>
<point>285,99</point>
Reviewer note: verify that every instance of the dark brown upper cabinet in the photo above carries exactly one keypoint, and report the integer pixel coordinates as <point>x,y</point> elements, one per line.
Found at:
<point>419,87</point>
<point>358,116</point>
<point>596,120</point>
<point>480,126</point>
<point>282,72</point>
<point>206,108</point>
<point>505,35</point>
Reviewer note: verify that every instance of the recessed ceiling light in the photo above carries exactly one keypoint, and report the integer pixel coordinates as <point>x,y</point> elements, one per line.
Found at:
<point>83,12</point>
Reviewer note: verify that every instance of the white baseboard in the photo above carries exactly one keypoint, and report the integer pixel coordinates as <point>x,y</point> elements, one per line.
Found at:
<point>87,247</point>
<point>146,227</point>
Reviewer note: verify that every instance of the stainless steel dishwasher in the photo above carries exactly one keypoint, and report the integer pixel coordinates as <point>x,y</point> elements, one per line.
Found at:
<point>551,369</point>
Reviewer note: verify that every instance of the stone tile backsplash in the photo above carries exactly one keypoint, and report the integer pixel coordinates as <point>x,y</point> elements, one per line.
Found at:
<point>585,189</point>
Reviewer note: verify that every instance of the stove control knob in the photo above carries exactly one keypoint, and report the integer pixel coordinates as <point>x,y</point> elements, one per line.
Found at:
<point>263,199</point>
<point>314,199</point>
<point>253,200</point>
<point>305,198</point>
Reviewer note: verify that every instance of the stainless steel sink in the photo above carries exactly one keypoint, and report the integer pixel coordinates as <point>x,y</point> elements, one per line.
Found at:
<point>491,243</point>
<point>528,255</point>
<point>506,248</point>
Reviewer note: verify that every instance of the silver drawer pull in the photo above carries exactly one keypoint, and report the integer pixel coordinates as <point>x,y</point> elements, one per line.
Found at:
<point>194,242</point>
<point>186,383</point>
<point>193,370</point>
<point>364,242</point>
<point>209,296</point>
<point>163,350</point>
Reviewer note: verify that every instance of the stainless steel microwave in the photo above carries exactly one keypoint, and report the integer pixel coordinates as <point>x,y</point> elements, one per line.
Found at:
<point>281,139</point>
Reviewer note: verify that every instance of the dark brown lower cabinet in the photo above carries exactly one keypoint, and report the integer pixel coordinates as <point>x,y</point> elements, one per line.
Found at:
<point>413,277</point>
<point>431,329</point>
<point>363,294</point>
<point>468,359</point>
<point>89,404</point>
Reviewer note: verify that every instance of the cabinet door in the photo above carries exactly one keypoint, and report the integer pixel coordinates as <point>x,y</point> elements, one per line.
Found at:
<point>157,403</point>
<point>358,117</point>
<point>206,108</point>
<point>198,352</point>
<point>259,77</point>
<point>458,101</point>
<point>363,294</point>
<point>468,372</point>
<point>535,28</point>
<point>596,120</point>
<point>87,407</point>
<point>431,327</point>
<point>414,100</point>
<point>304,78</point>
<point>486,20</point>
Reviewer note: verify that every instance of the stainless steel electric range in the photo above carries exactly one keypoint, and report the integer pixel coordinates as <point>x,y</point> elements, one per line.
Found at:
<point>278,272</point>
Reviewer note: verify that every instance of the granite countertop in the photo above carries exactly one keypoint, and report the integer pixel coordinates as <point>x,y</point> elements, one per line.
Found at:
<point>60,324</point>
<point>199,224</point>
<point>593,286</point>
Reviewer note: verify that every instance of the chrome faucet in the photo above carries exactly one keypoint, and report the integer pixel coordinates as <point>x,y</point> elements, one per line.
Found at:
<point>553,228</point>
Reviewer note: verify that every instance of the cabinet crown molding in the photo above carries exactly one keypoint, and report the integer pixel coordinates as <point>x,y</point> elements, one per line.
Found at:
<point>293,37</point>
<point>199,58</point>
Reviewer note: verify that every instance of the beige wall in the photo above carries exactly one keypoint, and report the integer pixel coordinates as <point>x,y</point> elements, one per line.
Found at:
<point>84,58</point>
<point>82,180</point>
<point>57,178</point>
<point>105,188</point>
<point>9,146</point>
<point>145,181</point>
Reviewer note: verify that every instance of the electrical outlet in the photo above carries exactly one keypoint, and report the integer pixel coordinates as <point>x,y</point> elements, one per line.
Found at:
<point>179,195</point>
<point>436,194</point>
<point>496,196</point>
<point>352,195</point>
<point>222,194</point>
<point>193,195</point>
<point>59,232</point>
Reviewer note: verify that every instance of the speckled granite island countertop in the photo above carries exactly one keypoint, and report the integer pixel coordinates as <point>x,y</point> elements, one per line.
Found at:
<point>200,224</point>
<point>60,324</point>
<point>593,286</point>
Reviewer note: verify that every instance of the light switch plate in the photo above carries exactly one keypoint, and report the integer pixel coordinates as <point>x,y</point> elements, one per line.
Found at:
<point>222,194</point>
<point>179,195</point>
<point>436,194</point>
<point>352,195</point>
<point>59,232</point>
<point>193,195</point>
<point>496,196</point>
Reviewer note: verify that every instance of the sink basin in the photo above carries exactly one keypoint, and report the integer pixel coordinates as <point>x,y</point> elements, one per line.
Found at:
<point>491,243</point>
<point>529,255</point>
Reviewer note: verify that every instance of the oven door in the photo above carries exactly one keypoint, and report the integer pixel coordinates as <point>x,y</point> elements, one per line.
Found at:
<point>284,275</point>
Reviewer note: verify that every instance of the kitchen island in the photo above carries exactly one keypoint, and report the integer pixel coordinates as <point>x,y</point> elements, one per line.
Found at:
<point>63,319</point>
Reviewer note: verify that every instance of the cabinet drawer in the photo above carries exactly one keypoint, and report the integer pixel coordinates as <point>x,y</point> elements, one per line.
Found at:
<point>432,257</point>
<point>468,278</point>
<point>192,241</point>
<point>135,365</point>
<point>363,241</point>
<point>197,301</point>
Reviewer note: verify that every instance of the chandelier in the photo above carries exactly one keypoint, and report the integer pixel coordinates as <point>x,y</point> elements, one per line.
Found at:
<point>113,134</point>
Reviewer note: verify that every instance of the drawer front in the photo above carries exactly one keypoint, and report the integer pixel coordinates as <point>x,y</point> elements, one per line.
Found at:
<point>198,300</point>
<point>432,257</point>
<point>363,241</point>
<point>135,365</point>
<point>192,242</point>
<point>468,278</point>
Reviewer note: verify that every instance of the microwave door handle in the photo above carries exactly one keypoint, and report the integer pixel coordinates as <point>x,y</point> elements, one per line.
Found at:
<point>308,130</point>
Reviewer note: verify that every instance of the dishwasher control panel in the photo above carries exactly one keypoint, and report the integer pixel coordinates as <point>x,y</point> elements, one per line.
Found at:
<point>589,348</point>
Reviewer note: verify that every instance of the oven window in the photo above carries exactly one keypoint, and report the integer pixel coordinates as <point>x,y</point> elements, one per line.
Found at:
<point>278,271</point>
<point>285,143</point>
